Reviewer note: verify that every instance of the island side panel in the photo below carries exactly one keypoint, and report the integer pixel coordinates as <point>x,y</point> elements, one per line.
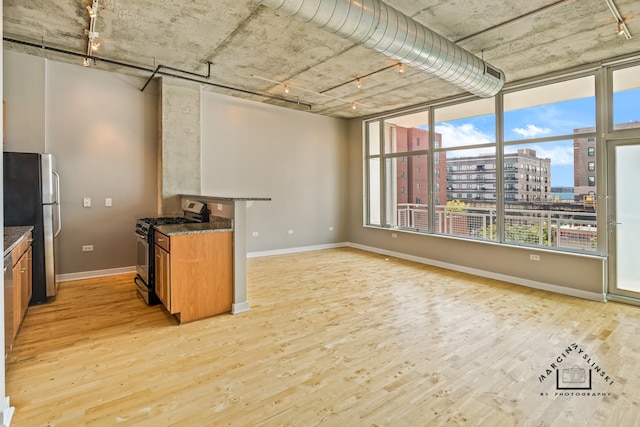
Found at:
<point>240,302</point>
<point>201,274</point>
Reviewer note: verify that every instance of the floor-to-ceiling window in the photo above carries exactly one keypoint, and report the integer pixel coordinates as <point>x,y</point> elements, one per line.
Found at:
<point>521,169</point>
<point>467,153</point>
<point>550,143</point>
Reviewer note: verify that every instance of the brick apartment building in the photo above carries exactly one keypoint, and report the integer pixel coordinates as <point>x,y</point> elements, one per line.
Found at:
<point>584,161</point>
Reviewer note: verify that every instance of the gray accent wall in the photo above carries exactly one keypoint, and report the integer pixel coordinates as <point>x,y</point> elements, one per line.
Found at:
<point>24,90</point>
<point>102,130</point>
<point>112,140</point>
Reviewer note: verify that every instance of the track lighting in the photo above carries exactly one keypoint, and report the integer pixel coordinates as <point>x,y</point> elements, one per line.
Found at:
<point>353,106</point>
<point>286,89</point>
<point>92,35</point>
<point>358,83</point>
<point>401,68</point>
<point>622,30</point>
<point>621,26</point>
<point>303,89</point>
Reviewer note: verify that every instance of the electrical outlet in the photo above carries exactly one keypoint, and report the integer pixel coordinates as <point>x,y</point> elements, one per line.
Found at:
<point>255,234</point>
<point>86,202</point>
<point>533,257</point>
<point>289,231</point>
<point>394,235</point>
<point>219,206</point>
<point>87,248</point>
<point>108,202</point>
<point>330,228</point>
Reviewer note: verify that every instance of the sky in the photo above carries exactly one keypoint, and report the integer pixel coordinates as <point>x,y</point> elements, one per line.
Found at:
<point>537,122</point>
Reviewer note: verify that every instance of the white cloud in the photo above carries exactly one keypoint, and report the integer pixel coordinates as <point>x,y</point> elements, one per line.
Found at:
<point>464,135</point>
<point>531,130</point>
<point>560,154</point>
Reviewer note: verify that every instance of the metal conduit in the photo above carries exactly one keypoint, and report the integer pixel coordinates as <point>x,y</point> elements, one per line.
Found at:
<point>157,71</point>
<point>377,26</point>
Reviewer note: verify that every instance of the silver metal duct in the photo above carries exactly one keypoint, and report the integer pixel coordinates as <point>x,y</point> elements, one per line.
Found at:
<point>380,27</point>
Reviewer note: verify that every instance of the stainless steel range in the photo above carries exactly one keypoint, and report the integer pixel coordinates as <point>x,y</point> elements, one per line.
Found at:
<point>145,265</point>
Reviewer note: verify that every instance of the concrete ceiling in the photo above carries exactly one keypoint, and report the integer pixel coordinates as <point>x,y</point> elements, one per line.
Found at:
<point>241,38</point>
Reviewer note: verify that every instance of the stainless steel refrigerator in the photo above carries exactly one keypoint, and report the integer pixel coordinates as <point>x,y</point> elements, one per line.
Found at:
<point>32,197</point>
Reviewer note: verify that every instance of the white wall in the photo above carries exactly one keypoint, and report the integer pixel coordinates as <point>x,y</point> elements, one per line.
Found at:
<point>296,158</point>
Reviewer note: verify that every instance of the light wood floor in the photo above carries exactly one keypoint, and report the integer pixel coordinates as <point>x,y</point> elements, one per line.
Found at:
<point>337,337</point>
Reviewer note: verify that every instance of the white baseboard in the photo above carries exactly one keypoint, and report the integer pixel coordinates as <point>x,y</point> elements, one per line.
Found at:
<point>295,250</point>
<point>488,274</point>
<point>95,273</point>
<point>241,307</point>
<point>7,412</point>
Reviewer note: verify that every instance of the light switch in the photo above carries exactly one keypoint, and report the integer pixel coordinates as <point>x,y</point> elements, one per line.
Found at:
<point>107,202</point>
<point>86,202</point>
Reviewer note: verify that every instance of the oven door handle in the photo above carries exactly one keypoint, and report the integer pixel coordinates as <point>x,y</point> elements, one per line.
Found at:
<point>142,286</point>
<point>142,236</point>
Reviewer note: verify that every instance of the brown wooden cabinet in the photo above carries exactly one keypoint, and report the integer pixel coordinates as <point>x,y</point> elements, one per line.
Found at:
<point>194,273</point>
<point>22,278</point>
<point>162,276</point>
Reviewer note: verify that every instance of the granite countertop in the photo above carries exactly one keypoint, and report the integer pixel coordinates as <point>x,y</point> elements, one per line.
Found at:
<point>233,199</point>
<point>12,236</point>
<point>202,227</point>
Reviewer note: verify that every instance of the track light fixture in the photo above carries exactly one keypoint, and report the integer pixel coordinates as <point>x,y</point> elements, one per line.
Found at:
<point>400,67</point>
<point>91,33</point>
<point>358,83</point>
<point>622,30</point>
<point>621,26</point>
<point>303,89</point>
<point>286,88</point>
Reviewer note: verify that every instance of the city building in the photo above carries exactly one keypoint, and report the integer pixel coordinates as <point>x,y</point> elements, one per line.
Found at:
<point>584,160</point>
<point>412,171</point>
<point>527,178</point>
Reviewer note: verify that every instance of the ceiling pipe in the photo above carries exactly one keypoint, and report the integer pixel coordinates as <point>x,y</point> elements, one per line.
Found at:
<point>156,71</point>
<point>377,26</point>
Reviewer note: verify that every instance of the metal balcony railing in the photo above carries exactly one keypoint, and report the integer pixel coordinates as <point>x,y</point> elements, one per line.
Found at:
<point>559,229</point>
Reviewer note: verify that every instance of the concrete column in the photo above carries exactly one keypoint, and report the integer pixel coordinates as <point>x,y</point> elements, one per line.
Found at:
<point>180,139</point>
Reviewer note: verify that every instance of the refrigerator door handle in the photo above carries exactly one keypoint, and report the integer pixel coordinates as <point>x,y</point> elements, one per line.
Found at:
<point>59,226</point>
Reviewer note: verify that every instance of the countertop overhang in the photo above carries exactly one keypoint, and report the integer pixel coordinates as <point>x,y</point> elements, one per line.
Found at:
<point>226,198</point>
<point>12,235</point>
<point>194,228</point>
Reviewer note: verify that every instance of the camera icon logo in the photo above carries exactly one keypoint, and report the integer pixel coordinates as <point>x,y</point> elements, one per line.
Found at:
<point>574,375</point>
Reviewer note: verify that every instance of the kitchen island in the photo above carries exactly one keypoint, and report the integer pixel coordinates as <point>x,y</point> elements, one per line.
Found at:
<point>194,268</point>
<point>235,209</point>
